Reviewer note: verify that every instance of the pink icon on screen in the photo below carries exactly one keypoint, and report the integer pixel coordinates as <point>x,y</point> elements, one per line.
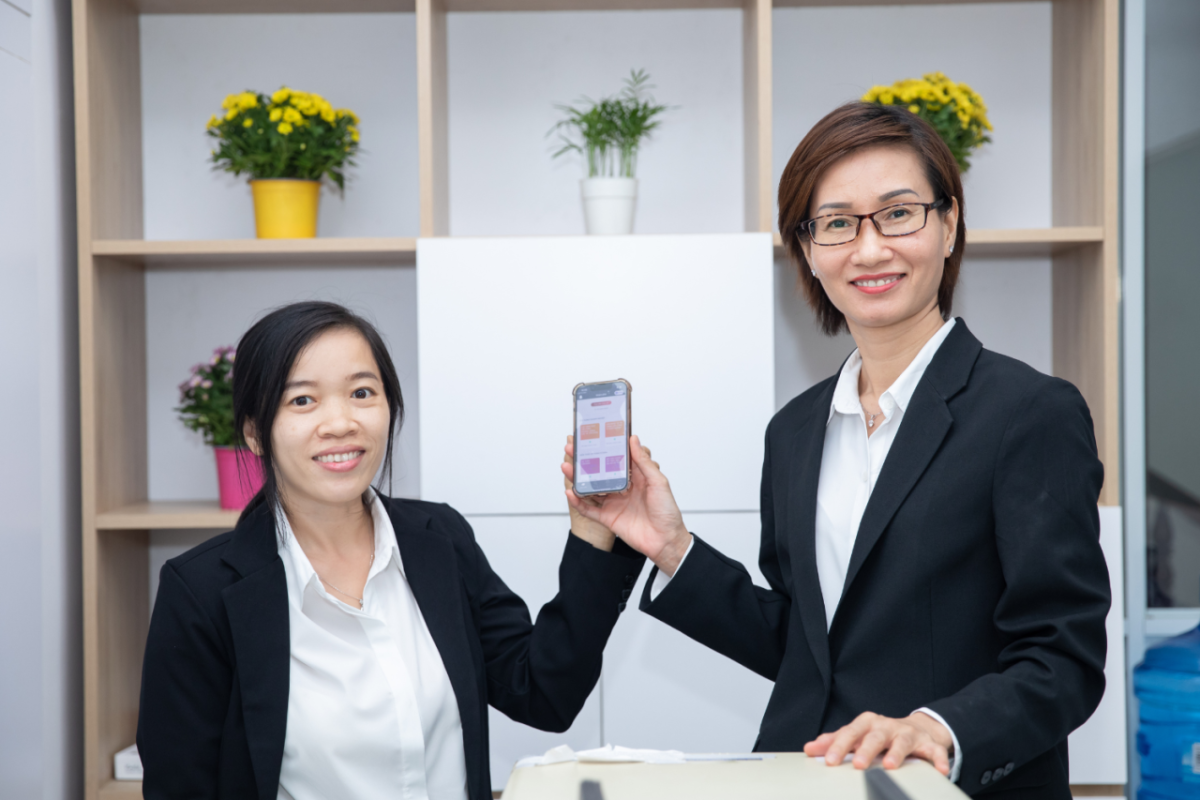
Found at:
<point>590,466</point>
<point>614,463</point>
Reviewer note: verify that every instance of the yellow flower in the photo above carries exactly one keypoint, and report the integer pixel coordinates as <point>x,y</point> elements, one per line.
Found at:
<point>327,114</point>
<point>213,121</point>
<point>291,115</point>
<point>275,114</point>
<point>353,133</point>
<point>231,113</point>
<point>914,108</point>
<point>247,100</point>
<point>285,128</point>
<point>248,123</point>
<point>281,95</point>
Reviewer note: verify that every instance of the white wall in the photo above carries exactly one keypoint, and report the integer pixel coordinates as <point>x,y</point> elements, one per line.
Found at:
<point>506,73</point>
<point>824,57</point>
<point>40,741</point>
<point>364,62</point>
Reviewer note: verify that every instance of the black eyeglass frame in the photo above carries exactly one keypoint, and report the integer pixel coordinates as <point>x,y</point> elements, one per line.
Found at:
<point>805,226</point>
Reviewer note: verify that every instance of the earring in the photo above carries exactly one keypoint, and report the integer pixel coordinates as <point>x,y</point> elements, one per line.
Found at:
<point>814,272</point>
<point>951,249</point>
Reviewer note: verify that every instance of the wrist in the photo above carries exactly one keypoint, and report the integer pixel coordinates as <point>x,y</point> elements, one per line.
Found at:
<point>671,555</point>
<point>936,730</point>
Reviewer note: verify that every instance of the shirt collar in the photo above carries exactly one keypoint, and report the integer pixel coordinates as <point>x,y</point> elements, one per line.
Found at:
<point>302,576</point>
<point>898,395</point>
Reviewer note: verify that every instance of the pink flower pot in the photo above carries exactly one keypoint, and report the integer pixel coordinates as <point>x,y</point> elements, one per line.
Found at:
<point>238,486</point>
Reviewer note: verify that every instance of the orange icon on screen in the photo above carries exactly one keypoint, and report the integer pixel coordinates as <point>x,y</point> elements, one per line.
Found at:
<point>591,431</point>
<point>614,428</point>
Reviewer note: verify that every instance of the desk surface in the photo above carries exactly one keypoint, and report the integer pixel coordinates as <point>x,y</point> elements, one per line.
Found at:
<point>788,776</point>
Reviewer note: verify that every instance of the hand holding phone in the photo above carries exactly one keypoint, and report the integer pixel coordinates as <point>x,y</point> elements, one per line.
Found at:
<point>642,511</point>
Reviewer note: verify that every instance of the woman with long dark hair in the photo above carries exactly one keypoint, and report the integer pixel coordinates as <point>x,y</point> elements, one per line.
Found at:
<point>340,643</point>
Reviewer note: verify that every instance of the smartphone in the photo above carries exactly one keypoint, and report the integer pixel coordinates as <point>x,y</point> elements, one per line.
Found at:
<point>602,417</point>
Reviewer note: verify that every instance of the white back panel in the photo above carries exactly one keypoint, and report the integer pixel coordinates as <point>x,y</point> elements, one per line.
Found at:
<point>507,327</point>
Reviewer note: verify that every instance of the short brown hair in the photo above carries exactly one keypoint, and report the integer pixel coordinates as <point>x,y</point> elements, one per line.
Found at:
<point>845,130</point>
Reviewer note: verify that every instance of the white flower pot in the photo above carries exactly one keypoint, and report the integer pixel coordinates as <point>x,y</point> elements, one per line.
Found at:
<point>608,205</point>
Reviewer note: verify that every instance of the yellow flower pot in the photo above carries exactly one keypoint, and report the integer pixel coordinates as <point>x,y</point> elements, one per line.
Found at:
<point>286,208</point>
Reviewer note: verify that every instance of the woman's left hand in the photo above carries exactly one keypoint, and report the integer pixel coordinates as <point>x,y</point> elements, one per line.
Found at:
<point>592,532</point>
<point>869,735</point>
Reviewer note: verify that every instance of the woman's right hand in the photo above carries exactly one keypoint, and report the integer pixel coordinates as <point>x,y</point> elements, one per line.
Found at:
<point>645,515</point>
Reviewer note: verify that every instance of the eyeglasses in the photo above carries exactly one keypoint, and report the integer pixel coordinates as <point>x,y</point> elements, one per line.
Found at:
<point>898,220</point>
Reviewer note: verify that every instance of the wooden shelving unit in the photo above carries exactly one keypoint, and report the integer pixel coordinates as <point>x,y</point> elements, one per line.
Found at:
<point>114,255</point>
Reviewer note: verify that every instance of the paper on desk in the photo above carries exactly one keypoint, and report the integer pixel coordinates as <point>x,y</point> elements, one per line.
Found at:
<point>607,754</point>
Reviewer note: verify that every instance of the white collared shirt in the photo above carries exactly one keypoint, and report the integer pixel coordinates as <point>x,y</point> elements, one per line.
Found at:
<point>371,712</point>
<point>850,465</point>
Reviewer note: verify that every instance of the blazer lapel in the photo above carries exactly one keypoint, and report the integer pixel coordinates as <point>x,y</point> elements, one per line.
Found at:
<point>431,567</point>
<point>808,446</point>
<point>257,607</point>
<point>926,422</point>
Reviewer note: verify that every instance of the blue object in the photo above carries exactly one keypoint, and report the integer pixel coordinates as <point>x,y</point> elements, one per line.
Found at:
<point>1167,684</point>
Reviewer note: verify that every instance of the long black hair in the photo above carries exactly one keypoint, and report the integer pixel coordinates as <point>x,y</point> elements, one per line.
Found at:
<point>265,357</point>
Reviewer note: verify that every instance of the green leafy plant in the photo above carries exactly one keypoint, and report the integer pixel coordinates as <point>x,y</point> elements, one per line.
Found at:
<point>290,134</point>
<point>206,399</point>
<point>608,133</point>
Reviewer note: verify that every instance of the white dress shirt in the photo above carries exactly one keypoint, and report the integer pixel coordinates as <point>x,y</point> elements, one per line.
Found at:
<point>371,712</point>
<point>850,465</point>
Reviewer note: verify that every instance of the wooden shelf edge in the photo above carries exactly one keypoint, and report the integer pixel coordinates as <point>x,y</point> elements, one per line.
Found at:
<point>167,252</point>
<point>115,788</point>
<point>168,514</point>
<point>1020,241</point>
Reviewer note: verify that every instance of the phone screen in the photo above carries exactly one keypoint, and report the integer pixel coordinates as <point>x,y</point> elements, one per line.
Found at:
<point>601,437</point>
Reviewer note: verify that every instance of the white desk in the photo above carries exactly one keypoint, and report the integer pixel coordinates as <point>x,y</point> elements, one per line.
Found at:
<point>788,776</point>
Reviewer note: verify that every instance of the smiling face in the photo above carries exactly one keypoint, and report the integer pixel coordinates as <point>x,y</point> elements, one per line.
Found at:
<point>330,434</point>
<point>881,281</point>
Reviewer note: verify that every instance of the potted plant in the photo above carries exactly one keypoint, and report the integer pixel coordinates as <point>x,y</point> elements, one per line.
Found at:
<point>954,110</point>
<point>206,405</point>
<point>287,143</point>
<point>608,134</point>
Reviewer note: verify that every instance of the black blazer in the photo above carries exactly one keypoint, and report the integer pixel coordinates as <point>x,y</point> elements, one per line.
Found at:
<point>976,586</point>
<point>215,678</point>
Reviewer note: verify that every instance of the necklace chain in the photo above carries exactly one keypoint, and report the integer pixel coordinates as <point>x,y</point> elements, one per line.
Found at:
<point>334,586</point>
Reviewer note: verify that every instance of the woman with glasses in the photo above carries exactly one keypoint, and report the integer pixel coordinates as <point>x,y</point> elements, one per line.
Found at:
<point>930,531</point>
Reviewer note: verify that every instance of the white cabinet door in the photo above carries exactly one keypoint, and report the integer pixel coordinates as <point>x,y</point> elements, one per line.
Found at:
<point>662,690</point>
<point>525,552</point>
<point>1098,748</point>
<point>508,326</point>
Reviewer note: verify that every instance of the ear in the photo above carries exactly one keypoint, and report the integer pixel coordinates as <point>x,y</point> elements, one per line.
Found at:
<point>248,433</point>
<point>806,248</point>
<point>950,227</point>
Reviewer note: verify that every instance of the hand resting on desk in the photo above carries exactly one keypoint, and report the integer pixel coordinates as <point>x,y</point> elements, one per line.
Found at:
<point>871,735</point>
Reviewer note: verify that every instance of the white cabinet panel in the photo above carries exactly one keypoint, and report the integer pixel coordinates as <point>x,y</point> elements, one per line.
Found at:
<point>663,690</point>
<point>508,326</point>
<point>525,552</point>
<point>1098,748</point>
<point>16,36</point>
